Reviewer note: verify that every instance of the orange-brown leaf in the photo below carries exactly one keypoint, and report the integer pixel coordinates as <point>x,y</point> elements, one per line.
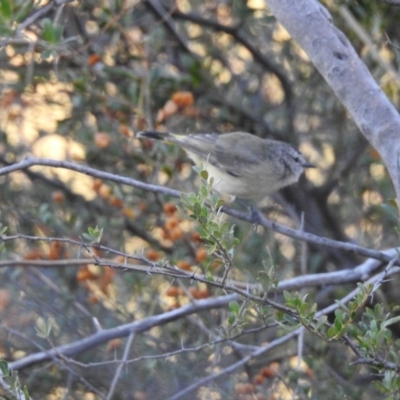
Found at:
<point>183,99</point>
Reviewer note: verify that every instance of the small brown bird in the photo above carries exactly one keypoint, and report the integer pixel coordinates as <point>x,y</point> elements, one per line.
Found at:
<point>243,165</point>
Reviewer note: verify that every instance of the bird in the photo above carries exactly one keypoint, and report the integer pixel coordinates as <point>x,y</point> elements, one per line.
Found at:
<point>243,165</point>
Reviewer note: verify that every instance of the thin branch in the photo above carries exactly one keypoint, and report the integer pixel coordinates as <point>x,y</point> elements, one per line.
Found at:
<point>363,35</point>
<point>53,286</point>
<point>395,3</point>
<point>40,13</point>
<point>159,10</point>
<point>377,363</point>
<point>357,274</point>
<point>105,335</point>
<point>255,217</point>
<point>263,60</point>
<point>353,293</point>
<point>182,350</point>
<point>83,169</point>
<point>233,367</point>
<point>120,366</point>
<point>131,227</point>
<point>13,390</point>
<point>146,324</point>
<point>78,376</point>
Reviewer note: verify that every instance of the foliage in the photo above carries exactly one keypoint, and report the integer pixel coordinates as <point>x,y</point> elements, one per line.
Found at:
<point>82,253</point>
<point>11,383</point>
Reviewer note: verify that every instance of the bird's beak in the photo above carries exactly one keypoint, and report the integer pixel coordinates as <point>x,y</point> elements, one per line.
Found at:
<point>308,165</point>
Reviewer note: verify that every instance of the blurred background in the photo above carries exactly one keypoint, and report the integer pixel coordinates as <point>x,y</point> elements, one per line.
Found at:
<point>77,82</point>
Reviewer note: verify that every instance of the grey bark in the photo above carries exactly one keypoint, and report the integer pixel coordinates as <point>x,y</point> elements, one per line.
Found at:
<point>310,25</point>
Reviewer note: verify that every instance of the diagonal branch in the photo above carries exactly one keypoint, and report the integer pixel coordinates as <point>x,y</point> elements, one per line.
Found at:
<point>105,335</point>
<point>310,25</point>
<point>358,274</point>
<point>249,217</point>
<point>235,32</point>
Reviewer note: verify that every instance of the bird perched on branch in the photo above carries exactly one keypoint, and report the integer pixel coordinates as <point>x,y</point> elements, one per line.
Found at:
<point>243,165</point>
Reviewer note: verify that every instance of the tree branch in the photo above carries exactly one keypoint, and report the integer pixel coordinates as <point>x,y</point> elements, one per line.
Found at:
<point>105,335</point>
<point>258,56</point>
<point>310,24</point>
<point>395,3</point>
<point>358,274</point>
<point>253,217</point>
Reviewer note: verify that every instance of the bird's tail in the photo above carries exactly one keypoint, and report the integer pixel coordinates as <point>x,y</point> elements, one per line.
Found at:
<point>154,135</point>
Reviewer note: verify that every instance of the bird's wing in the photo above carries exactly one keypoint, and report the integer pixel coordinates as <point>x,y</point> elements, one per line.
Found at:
<point>231,154</point>
<point>201,145</point>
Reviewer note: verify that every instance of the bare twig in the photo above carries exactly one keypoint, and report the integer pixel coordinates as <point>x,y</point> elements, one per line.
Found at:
<point>357,274</point>
<point>249,217</point>
<point>105,335</point>
<point>308,237</point>
<point>78,376</point>
<point>120,366</point>
<point>40,13</point>
<point>363,35</point>
<point>182,350</point>
<point>31,161</point>
<point>159,10</point>
<point>140,326</point>
<point>239,37</point>
<point>233,367</point>
<point>395,3</point>
<point>14,391</point>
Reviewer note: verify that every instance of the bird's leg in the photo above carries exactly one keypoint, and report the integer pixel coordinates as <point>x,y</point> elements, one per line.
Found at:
<point>255,215</point>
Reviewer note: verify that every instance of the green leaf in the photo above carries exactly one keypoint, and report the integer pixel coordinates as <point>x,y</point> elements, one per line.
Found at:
<point>321,321</point>
<point>332,332</point>
<point>212,248</point>
<point>47,54</point>
<point>303,309</point>
<point>3,229</point>
<point>390,321</point>
<point>202,220</point>
<point>204,174</point>
<point>219,204</point>
<point>201,231</point>
<point>264,280</point>
<point>6,7</point>
<point>23,11</point>
<point>396,308</point>
<point>4,368</point>
<point>209,276</point>
<point>197,208</point>
<point>393,203</point>
<point>224,228</point>
<point>394,356</point>
<point>338,324</point>
<point>231,318</point>
<point>339,314</point>
<point>167,170</point>
<point>288,297</point>
<point>204,190</point>
<point>41,328</point>
<point>52,33</point>
<point>26,393</point>
<point>197,169</point>
<point>234,307</point>
<point>94,234</point>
